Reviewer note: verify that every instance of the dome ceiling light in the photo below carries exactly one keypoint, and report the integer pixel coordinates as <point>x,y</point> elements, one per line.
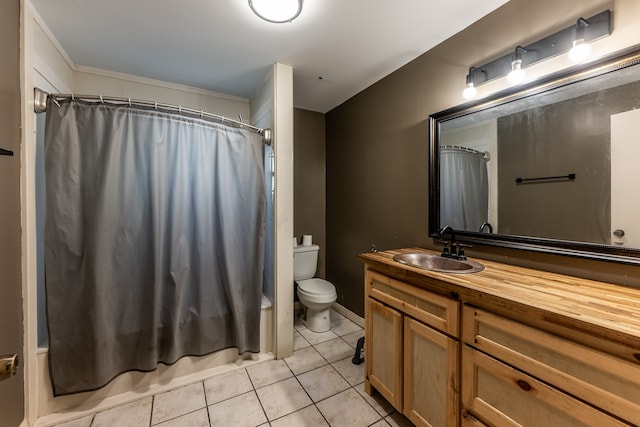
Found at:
<point>276,11</point>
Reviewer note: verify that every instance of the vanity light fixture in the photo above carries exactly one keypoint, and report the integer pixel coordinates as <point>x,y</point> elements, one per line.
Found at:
<point>574,39</point>
<point>470,90</point>
<point>517,73</point>
<point>580,49</point>
<point>276,11</point>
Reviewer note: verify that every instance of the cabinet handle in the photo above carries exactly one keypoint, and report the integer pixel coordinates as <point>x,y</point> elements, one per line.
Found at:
<point>524,385</point>
<point>4,152</point>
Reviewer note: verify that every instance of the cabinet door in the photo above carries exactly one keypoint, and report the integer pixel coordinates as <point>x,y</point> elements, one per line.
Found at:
<point>431,376</point>
<point>383,355</point>
<point>500,395</point>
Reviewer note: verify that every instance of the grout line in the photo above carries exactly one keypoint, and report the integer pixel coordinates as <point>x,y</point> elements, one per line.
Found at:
<point>153,402</point>
<point>206,402</point>
<point>266,417</point>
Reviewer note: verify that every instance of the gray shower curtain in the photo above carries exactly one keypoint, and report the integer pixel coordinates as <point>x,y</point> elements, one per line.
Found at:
<point>154,240</point>
<point>464,189</point>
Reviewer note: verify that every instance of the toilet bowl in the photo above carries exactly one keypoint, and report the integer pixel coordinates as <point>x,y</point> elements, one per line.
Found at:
<point>316,296</point>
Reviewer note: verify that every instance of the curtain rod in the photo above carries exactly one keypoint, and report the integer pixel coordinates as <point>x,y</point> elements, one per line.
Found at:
<point>40,106</point>
<point>484,154</point>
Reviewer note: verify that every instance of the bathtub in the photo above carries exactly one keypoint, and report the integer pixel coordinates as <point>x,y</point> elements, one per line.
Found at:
<point>131,386</point>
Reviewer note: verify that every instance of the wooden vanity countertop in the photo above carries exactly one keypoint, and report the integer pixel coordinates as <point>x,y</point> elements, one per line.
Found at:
<point>605,311</point>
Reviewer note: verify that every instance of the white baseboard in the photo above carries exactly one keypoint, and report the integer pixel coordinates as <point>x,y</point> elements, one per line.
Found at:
<point>348,314</point>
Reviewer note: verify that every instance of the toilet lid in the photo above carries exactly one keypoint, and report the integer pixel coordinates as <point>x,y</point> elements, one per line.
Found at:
<point>316,286</point>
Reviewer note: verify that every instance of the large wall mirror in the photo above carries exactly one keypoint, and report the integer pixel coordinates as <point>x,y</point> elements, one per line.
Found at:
<point>551,166</point>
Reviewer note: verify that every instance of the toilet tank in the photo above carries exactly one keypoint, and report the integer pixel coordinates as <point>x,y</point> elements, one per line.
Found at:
<point>305,261</point>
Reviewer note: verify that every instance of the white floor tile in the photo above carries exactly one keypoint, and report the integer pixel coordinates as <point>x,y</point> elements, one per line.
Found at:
<point>177,402</point>
<point>352,338</point>
<point>317,337</point>
<point>334,350</point>
<point>282,398</point>
<point>269,372</point>
<point>308,417</point>
<point>305,360</point>
<point>80,422</point>
<point>227,385</point>
<point>322,383</point>
<point>299,341</point>
<point>199,418</point>
<point>381,423</point>
<point>348,409</point>
<point>134,414</point>
<point>354,374</point>
<point>240,411</point>
<point>344,327</point>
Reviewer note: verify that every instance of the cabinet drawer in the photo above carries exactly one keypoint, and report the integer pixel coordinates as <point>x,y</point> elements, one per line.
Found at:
<point>500,395</point>
<point>603,380</point>
<point>429,308</point>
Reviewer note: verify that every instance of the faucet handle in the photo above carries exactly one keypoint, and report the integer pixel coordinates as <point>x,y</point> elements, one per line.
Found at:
<point>445,249</point>
<point>461,247</point>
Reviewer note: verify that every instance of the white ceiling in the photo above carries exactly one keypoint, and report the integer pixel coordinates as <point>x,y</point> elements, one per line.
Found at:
<point>337,48</point>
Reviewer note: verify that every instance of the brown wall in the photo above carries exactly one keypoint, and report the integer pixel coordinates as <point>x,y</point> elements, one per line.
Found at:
<point>377,148</point>
<point>11,390</point>
<point>309,177</point>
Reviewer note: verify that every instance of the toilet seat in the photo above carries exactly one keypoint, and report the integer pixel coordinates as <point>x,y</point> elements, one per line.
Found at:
<point>316,286</point>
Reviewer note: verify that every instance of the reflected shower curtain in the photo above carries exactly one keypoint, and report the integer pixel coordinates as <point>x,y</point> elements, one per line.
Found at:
<point>154,240</point>
<point>464,189</point>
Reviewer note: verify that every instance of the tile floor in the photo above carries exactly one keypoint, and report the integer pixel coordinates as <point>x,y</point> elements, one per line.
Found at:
<point>317,386</point>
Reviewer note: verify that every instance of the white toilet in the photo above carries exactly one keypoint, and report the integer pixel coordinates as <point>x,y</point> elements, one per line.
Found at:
<point>316,295</point>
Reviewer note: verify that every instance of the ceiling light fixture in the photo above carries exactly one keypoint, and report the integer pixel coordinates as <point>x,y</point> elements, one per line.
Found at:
<point>470,91</point>
<point>581,49</point>
<point>276,11</point>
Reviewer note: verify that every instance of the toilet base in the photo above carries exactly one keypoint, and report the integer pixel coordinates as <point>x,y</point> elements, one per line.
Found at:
<point>316,320</point>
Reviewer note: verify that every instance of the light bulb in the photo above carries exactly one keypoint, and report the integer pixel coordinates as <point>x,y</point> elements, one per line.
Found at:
<point>517,73</point>
<point>470,91</point>
<point>580,50</point>
<point>276,11</point>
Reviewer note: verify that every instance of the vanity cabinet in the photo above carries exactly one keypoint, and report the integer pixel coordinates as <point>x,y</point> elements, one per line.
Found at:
<point>412,350</point>
<point>507,346</point>
<point>516,375</point>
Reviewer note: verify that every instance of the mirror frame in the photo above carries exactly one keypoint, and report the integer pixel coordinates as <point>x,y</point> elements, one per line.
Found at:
<point>607,64</point>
